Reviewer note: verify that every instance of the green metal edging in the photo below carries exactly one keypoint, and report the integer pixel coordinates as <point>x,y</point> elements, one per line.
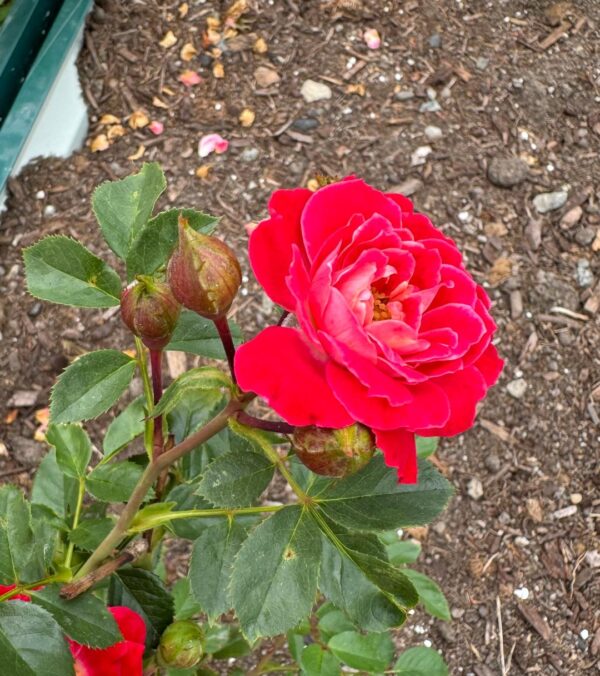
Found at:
<point>26,106</point>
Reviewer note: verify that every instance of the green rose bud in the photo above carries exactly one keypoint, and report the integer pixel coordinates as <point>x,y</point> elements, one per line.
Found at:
<point>150,311</point>
<point>181,645</point>
<point>204,273</point>
<point>336,453</point>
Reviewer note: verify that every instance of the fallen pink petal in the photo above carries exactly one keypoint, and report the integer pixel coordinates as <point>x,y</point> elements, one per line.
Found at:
<point>372,39</point>
<point>190,78</point>
<point>212,143</point>
<point>156,127</point>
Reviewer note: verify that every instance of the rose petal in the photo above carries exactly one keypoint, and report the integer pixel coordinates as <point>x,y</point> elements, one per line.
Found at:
<point>279,366</point>
<point>400,451</point>
<point>212,143</point>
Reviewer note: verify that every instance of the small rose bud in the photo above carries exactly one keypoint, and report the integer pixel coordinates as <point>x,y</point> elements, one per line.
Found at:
<point>204,273</point>
<point>150,311</point>
<point>330,452</point>
<point>181,645</point>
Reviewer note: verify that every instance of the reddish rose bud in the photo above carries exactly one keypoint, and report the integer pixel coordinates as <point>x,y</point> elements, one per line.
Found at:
<point>181,645</point>
<point>150,311</point>
<point>336,453</point>
<point>204,273</point>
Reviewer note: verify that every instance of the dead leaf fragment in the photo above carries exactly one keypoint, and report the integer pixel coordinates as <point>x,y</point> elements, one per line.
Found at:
<point>188,52</point>
<point>109,119</point>
<point>183,9</point>
<point>138,119</point>
<point>168,41</point>
<point>99,143</point>
<point>497,229</point>
<point>235,11</point>
<point>203,170</point>
<point>500,272</point>
<point>138,153</point>
<point>358,89</point>
<point>158,103</point>
<point>247,117</point>
<point>11,416</point>
<point>534,509</point>
<point>116,131</point>
<point>213,23</point>
<point>265,77</point>
<point>260,46</point>
<point>218,71</point>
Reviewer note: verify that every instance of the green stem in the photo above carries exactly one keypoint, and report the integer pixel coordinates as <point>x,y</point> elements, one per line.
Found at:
<point>19,589</point>
<point>148,395</point>
<point>150,475</point>
<point>277,460</point>
<point>78,505</point>
<point>158,520</point>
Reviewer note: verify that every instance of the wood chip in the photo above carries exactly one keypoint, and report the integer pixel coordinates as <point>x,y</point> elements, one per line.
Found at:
<point>23,398</point>
<point>501,432</point>
<point>556,35</point>
<point>536,620</point>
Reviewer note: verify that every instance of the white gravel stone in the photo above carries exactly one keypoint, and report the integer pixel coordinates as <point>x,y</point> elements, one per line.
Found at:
<point>315,91</point>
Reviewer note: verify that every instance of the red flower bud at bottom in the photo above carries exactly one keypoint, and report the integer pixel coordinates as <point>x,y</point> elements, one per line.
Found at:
<point>204,273</point>
<point>336,453</point>
<point>181,645</point>
<point>150,311</point>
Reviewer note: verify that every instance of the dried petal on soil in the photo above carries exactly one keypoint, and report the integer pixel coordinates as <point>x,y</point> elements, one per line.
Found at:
<point>188,52</point>
<point>109,119</point>
<point>139,153</point>
<point>168,40</point>
<point>260,46</point>
<point>212,143</point>
<point>99,143</point>
<point>138,119</point>
<point>247,117</point>
<point>189,78</point>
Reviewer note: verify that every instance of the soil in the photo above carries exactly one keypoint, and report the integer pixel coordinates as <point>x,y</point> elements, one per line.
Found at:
<point>517,551</point>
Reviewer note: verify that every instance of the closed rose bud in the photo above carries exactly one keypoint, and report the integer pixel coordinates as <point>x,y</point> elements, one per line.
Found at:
<point>336,453</point>
<point>181,645</point>
<point>150,311</point>
<point>204,273</point>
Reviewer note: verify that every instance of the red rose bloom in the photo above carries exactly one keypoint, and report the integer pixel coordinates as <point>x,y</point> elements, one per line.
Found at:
<point>121,659</point>
<point>393,331</point>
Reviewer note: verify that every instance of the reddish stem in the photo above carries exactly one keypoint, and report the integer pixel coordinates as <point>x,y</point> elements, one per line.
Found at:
<point>284,316</point>
<point>268,425</point>
<point>157,389</point>
<point>225,334</point>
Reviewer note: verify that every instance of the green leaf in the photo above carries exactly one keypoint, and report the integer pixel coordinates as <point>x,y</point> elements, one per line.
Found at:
<point>430,595</point>
<point>90,533</point>
<point>151,516</point>
<point>314,661</point>
<point>334,622</point>
<point>128,425</point>
<point>426,446</point>
<point>274,580</point>
<point>344,583</point>
<point>236,479</point>
<point>211,565</point>
<point>61,270</point>
<point>421,661</point>
<point>403,551</point>
<point>372,499</point>
<point>194,381</point>
<point>368,652</point>
<point>143,592</point>
<point>73,448</point>
<point>185,604</point>
<point>184,497</point>
<point>31,643</point>
<point>19,555</point>
<point>114,482</point>
<point>155,242</point>
<point>236,646</point>
<point>123,207</point>
<point>53,489</point>
<point>85,619</point>
<point>198,335</point>
<point>91,385</point>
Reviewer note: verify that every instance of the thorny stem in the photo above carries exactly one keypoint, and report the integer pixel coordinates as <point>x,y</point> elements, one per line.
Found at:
<point>268,425</point>
<point>20,588</point>
<point>156,368</point>
<point>222,326</point>
<point>76,515</point>
<point>149,425</point>
<point>150,475</point>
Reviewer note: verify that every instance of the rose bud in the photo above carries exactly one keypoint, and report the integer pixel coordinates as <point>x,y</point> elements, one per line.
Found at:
<point>150,311</point>
<point>336,453</point>
<point>204,273</point>
<point>181,645</point>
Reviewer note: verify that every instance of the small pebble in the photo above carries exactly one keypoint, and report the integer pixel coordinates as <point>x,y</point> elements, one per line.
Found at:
<point>521,541</point>
<point>405,95</point>
<point>576,498</point>
<point>305,124</point>
<point>507,172</point>
<point>565,512</point>
<point>408,187</point>
<point>49,210</point>
<point>419,156</point>
<point>522,593</point>
<point>249,155</point>
<point>40,194</point>
<point>435,41</point>
<point>571,218</point>
<point>482,63</point>
<point>533,234</point>
<point>549,201</point>
<point>475,489</point>
<point>492,463</point>
<point>315,91</point>
<point>585,236</point>
<point>430,107</point>
<point>516,304</point>
<point>35,310</point>
<point>516,388</point>
<point>584,275</point>
<point>585,634</point>
<point>433,133</point>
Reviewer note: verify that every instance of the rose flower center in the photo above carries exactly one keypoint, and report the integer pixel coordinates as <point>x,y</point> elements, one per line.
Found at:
<point>380,308</point>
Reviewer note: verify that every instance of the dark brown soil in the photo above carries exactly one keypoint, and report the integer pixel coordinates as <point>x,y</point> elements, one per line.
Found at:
<point>525,519</point>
